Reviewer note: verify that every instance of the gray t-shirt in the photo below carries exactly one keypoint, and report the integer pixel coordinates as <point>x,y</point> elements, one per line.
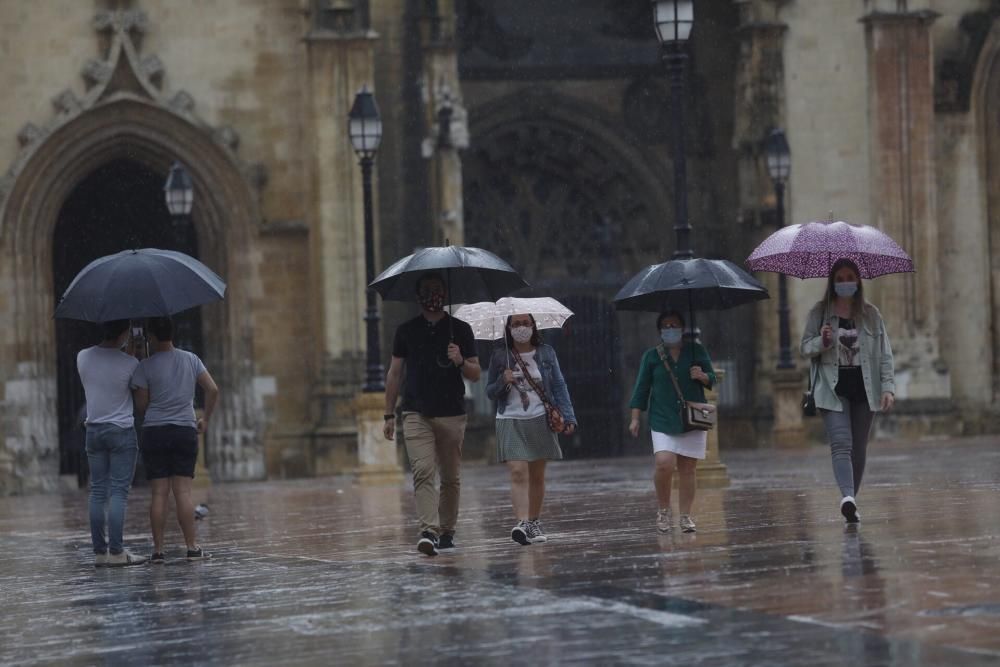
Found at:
<point>171,378</point>
<point>105,373</point>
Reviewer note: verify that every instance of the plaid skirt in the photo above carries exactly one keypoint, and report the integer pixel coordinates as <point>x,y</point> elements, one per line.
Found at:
<point>526,440</point>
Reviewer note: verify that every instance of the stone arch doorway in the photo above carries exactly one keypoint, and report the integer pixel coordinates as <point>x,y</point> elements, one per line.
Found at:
<point>125,127</point>
<point>116,207</point>
<point>556,190</point>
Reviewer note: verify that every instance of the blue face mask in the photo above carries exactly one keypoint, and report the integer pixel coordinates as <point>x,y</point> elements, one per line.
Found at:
<point>845,290</point>
<point>671,336</point>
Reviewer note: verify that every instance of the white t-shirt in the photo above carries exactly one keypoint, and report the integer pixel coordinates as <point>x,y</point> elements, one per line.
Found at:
<point>105,373</point>
<point>522,400</point>
<point>171,378</point>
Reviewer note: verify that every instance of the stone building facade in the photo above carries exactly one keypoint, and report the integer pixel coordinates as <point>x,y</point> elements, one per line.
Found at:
<point>536,129</point>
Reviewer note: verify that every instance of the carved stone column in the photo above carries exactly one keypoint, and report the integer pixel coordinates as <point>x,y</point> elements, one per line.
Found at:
<point>712,471</point>
<point>339,61</point>
<point>378,462</point>
<point>901,108</point>
<point>445,117</point>
<point>789,429</point>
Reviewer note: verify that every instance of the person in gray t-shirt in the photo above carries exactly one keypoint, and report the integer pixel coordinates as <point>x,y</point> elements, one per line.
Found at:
<point>164,393</point>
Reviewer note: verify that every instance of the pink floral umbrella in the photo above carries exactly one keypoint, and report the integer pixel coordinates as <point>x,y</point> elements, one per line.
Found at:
<point>810,250</point>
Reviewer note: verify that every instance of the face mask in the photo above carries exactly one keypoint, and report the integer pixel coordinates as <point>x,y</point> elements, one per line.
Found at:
<point>432,302</point>
<point>845,290</point>
<point>671,336</point>
<point>521,334</point>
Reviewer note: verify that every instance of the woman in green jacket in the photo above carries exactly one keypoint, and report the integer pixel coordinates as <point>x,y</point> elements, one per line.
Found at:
<point>852,373</point>
<point>654,390</point>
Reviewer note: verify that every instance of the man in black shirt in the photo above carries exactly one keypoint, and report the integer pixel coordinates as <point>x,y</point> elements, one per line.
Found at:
<point>432,355</point>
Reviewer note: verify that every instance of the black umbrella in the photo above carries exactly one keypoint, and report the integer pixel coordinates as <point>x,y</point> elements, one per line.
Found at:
<point>472,274</point>
<point>692,284</point>
<point>139,283</point>
<point>697,284</point>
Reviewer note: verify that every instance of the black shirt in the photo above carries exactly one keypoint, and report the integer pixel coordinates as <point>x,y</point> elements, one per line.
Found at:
<point>433,385</point>
<point>850,381</point>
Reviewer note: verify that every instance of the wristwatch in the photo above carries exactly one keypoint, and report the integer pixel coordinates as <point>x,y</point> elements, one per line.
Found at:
<point>388,416</point>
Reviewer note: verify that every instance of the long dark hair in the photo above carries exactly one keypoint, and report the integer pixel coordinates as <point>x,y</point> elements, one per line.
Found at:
<point>670,313</point>
<point>858,300</point>
<point>536,338</point>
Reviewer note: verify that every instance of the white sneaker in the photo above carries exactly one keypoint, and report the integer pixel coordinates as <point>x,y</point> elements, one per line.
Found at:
<point>535,533</point>
<point>124,559</point>
<point>849,509</point>
<point>665,520</point>
<point>101,560</point>
<point>687,524</point>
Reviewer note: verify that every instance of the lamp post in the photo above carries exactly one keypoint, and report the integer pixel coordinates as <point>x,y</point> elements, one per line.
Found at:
<point>178,192</point>
<point>364,126</point>
<point>779,162</point>
<point>673,20</point>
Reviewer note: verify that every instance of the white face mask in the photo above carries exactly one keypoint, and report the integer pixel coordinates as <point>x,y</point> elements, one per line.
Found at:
<point>521,334</point>
<point>671,336</point>
<point>845,290</point>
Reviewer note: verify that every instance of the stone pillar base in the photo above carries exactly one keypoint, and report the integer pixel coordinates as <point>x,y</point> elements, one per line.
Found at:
<point>377,459</point>
<point>711,473</point>
<point>788,430</point>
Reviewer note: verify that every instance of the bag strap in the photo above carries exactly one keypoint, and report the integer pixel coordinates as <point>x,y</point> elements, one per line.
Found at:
<point>662,351</point>
<point>531,380</point>
<point>812,368</point>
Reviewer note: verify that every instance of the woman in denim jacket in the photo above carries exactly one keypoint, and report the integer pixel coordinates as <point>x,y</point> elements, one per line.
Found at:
<point>852,374</point>
<point>524,441</point>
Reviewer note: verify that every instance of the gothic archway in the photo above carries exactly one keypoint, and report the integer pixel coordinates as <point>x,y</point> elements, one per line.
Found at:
<point>576,209</point>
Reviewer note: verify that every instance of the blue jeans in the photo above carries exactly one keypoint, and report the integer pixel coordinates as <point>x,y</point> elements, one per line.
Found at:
<point>111,451</point>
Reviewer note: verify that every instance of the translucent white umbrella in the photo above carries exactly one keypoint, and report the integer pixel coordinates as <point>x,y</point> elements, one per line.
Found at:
<point>488,319</point>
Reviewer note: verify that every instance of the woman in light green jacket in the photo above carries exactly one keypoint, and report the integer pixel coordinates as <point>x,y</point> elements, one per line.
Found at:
<point>852,374</point>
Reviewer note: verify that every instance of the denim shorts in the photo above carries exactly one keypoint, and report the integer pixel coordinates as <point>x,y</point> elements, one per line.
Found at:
<point>169,451</point>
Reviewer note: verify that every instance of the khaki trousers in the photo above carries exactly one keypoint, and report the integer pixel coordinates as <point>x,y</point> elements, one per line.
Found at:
<point>433,444</point>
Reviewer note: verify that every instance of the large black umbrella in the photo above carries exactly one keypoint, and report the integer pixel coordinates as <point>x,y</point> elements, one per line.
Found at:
<point>472,274</point>
<point>691,284</point>
<point>695,284</point>
<point>139,283</point>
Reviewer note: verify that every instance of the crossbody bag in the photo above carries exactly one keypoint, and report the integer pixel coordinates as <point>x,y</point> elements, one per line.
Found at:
<point>696,416</point>
<point>554,417</point>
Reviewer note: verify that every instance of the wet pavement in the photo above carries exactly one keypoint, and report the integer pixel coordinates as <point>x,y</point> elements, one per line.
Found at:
<point>324,572</point>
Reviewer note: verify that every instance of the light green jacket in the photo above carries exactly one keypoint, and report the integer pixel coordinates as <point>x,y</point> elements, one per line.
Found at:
<point>876,357</point>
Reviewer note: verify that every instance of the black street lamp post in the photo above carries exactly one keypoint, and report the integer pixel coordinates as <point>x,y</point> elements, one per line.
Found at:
<point>365,130</point>
<point>179,194</point>
<point>779,162</point>
<point>674,20</point>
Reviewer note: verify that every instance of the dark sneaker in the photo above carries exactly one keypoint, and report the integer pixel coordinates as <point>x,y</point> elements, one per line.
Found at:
<point>446,541</point>
<point>157,559</point>
<point>535,533</point>
<point>849,509</point>
<point>519,533</point>
<point>198,554</point>
<point>124,559</point>
<point>428,544</point>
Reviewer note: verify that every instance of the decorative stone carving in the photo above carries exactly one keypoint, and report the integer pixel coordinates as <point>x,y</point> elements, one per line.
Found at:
<point>227,136</point>
<point>182,102</point>
<point>96,72</point>
<point>66,102</point>
<point>127,20</point>
<point>152,67</point>
<point>953,90</point>
<point>29,134</point>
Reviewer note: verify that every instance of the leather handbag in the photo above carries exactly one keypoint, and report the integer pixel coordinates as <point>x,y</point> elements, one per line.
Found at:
<point>553,415</point>
<point>808,400</point>
<point>695,416</point>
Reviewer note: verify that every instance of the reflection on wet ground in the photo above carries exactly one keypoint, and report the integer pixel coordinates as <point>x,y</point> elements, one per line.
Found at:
<point>323,571</point>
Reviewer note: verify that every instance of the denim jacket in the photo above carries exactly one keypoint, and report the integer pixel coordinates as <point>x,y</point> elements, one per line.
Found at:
<point>552,380</point>
<point>877,367</point>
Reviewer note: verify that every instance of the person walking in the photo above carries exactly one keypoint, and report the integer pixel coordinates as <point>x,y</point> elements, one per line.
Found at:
<point>110,441</point>
<point>852,372</point>
<point>673,447</point>
<point>523,377</point>
<point>432,356</point>
<point>165,385</point>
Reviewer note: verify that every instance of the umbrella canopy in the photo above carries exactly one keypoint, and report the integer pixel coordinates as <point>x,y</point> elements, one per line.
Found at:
<point>139,283</point>
<point>810,250</point>
<point>488,319</point>
<point>692,284</point>
<point>472,274</point>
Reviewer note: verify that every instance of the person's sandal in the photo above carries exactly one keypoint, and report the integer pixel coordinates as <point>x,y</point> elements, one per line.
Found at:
<point>157,559</point>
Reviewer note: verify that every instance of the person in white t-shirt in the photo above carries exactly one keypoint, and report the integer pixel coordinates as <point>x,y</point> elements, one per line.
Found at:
<point>165,384</point>
<point>105,372</point>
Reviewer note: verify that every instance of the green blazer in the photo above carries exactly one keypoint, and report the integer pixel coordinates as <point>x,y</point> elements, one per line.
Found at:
<point>655,392</point>
<point>877,367</point>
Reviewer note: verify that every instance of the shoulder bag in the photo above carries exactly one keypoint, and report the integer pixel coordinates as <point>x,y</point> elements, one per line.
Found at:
<point>808,400</point>
<point>696,416</point>
<point>557,424</point>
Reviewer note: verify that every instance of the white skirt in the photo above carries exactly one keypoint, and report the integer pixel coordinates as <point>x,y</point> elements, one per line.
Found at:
<point>691,444</point>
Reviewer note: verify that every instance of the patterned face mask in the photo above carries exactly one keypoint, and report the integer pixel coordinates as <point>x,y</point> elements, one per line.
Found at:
<point>432,302</point>
<point>521,334</point>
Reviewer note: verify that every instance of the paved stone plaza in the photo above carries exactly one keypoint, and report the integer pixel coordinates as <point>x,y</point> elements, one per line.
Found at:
<point>321,572</point>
